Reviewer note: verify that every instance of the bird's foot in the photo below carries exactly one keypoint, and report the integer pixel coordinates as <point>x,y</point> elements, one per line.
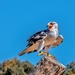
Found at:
<point>41,53</point>
<point>49,55</point>
<point>44,53</point>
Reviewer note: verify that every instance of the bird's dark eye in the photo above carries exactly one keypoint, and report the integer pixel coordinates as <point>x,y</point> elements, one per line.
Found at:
<point>51,23</point>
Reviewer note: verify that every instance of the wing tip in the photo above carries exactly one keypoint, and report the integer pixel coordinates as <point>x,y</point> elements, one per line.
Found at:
<point>20,54</point>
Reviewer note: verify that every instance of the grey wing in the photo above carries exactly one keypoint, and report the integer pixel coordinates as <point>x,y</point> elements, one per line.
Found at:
<point>37,36</point>
<point>58,41</point>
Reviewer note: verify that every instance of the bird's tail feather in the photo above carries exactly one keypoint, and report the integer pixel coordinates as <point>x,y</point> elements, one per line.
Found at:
<point>30,49</point>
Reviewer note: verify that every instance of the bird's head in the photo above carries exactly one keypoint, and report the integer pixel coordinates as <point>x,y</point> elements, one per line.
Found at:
<point>52,25</point>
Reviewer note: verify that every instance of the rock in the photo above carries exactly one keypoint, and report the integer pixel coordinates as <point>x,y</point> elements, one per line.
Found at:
<point>48,66</point>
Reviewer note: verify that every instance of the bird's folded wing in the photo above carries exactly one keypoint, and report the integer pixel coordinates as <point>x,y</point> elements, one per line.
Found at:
<point>30,49</point>
<point>58,41</point>
<point>34,47</point>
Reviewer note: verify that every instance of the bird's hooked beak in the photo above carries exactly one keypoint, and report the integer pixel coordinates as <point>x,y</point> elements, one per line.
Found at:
<point>50,25</point>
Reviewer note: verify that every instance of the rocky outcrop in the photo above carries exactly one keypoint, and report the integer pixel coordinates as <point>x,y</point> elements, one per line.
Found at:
<point>48,66</point>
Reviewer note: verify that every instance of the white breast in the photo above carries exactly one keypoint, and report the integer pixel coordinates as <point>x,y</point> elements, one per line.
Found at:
<point>54,33</point>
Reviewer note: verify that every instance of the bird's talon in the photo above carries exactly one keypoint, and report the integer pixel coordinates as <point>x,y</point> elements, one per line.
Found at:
<point>49,55</point>
<point>40,53</point>
<point>45,53</point>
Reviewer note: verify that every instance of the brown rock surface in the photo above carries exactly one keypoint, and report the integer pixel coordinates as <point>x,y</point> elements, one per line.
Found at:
<point>48,66</point>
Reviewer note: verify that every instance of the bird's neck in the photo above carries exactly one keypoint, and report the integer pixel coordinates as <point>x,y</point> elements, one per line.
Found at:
<point>55,32</point>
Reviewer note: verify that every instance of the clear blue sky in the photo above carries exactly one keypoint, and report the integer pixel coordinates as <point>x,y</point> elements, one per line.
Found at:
<point>19,19</point>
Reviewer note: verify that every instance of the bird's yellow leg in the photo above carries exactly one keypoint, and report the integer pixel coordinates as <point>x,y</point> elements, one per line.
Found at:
<point>40,53</point>
<point>49,55</point>
<point>45,53</point>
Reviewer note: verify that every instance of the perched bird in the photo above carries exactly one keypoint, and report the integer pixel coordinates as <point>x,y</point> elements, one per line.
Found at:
<point>44,40</point>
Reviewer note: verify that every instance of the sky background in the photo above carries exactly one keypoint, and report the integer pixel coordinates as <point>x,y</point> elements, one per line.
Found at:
<point>19,19</point>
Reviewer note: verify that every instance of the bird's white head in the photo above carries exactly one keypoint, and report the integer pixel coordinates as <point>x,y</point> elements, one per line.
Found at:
<point>52,26</point>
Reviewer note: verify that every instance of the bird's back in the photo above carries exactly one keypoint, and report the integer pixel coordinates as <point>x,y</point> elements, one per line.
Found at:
<point>37,36</point>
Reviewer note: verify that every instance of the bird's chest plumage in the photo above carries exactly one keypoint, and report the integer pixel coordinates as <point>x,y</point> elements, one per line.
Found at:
<point>51,37</point>
<point>53,34</point>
